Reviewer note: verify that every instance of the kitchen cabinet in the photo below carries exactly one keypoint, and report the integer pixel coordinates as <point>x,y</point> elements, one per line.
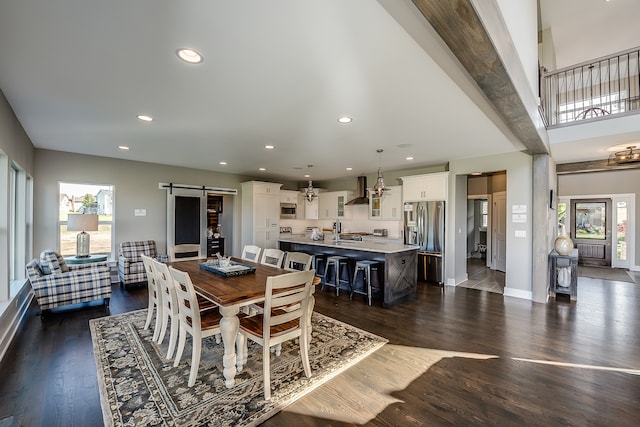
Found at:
<point>289,196</point>
<point>433,186</point>
<point>311,209</point>
<point>388,207</point>
<point>260,214</point>
<point>333,205</point>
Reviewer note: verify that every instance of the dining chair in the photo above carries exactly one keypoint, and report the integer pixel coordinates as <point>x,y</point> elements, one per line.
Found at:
<point>279,323</point>
<point>185,252</point>
<point>271,256</point>
<point>251,253</point>
<point>298,261</point>
<point>200,324</point>
<point>169,305</point>
<point>155,303</point>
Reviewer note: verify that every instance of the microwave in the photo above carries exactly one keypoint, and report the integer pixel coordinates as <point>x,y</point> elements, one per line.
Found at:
<point>288,210</point>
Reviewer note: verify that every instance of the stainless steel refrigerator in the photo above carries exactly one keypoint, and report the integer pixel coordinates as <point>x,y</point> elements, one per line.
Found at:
<point>424,227</point>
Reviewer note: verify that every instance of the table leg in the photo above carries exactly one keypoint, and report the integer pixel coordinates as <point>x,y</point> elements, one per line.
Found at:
<point>229,329</point>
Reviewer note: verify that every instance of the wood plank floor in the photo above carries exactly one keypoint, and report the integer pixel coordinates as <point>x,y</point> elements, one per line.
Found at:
<point>456,356</point>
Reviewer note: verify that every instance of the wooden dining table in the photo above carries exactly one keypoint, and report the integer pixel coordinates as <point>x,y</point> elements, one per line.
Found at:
<point>231,294</point>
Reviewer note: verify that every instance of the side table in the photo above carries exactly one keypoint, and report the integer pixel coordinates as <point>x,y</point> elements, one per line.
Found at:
<point>71,260</point>
<point>563,274</point>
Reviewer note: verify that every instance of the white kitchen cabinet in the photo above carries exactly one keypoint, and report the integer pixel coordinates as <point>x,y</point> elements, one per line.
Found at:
<point>260,214</point>
<point>289,196</point>
<point>433,186</point>
<point>310,208</point>
<point>333,205</point>
<point>388,207</point>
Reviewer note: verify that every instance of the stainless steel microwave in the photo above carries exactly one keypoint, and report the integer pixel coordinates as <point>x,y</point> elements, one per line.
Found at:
<point>288,210</point>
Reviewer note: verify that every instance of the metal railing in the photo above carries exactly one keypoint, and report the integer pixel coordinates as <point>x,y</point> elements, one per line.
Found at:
<point>592,90</point>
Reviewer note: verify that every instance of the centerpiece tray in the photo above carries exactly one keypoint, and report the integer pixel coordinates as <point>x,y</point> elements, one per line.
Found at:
<point>233,269</point>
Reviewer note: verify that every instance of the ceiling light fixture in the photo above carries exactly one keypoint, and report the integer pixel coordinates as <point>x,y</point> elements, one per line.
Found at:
<point>269,147</point>
<point>379,187</point>
<point>262,169</point>
<point>629,155</point>
<point>189,55</point>
<point>345,119</point>
<point>349,169</point>
<point>144,118</point>
<point>123,147</point>
<point>310,193</point>
<point>223,163</point>
<point>409,158</point>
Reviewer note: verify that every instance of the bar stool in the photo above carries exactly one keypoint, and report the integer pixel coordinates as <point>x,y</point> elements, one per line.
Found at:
<point>366,266</point>
<point>319,259</point>
<point>337,262</point>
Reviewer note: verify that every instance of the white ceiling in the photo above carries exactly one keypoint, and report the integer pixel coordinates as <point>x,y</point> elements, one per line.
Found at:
<point>77,72</point>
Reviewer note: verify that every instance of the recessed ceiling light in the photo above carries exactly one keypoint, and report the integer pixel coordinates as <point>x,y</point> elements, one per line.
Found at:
<point>409,158</point>
<point>476,173</point>
<point>344,119</point>
<point>123,147</point>
<point>269,147</point>
<point>307,176</point>
<point>145,118</point>
<point>262,169</point>
<point>223,163</point>
<point>189,55</point>
<point>349,169</point>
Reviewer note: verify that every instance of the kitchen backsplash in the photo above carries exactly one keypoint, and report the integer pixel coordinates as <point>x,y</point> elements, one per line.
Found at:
<point>359,222</point>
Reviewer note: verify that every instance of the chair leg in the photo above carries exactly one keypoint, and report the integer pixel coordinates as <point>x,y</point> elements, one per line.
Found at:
<point>266,371</point>
<point>173,336</point>
<point>181,341</point>
<point>158,325</point>
<point>150,311</point>
<point>304,353</point>
<point>195,361</point>
<point>165,323</point>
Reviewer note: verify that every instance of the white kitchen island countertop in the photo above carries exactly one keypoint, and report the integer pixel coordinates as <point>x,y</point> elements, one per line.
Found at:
<point>381,247</point>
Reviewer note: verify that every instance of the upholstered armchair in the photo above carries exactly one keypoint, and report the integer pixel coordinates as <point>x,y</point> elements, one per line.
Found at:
<point>57,284</point>
<point>130,266</point>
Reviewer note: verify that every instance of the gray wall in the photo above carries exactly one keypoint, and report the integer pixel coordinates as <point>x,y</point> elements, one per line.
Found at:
<point>604,183</point>
<point>135,187</point>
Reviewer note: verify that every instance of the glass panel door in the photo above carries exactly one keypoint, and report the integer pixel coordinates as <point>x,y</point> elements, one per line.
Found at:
<point>591,231</point>
<point>621,231</point>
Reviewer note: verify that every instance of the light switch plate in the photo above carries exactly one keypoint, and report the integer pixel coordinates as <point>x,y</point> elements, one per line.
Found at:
<point>140,212</point>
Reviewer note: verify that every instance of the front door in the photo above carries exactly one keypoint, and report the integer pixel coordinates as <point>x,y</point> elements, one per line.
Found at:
<point>591,231</point>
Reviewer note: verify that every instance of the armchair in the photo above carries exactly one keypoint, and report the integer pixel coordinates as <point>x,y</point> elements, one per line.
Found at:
<point>130,266</point>
<point>57,284</point>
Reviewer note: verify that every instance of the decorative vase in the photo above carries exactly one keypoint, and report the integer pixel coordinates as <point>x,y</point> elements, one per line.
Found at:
<point>563,244</point>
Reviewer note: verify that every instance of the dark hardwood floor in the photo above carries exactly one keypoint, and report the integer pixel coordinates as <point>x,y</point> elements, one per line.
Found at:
<point>493,360</point>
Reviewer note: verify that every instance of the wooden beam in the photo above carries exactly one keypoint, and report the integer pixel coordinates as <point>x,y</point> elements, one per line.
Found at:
<point>592,166</point>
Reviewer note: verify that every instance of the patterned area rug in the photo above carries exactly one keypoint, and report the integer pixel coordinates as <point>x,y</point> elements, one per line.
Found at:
<point>139,386</point>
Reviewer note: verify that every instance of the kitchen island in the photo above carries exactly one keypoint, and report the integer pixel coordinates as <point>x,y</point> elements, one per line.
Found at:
<point>400,262</point>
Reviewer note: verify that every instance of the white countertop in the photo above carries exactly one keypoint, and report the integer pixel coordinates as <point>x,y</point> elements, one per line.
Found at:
<point>382,247</point>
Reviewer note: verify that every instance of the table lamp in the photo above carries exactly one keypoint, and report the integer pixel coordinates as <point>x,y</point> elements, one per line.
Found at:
<point>82,223</point>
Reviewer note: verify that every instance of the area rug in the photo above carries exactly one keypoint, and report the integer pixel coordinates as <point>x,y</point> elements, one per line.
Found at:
<point>140,387</point>
<point>605,273</point>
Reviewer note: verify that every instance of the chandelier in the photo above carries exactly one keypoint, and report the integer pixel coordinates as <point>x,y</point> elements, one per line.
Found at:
<point>310,193</point>
<point>379,187</point>
<point>628,155</point>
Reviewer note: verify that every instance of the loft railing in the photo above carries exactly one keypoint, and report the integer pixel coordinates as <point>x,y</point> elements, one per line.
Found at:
<point>592,90</point>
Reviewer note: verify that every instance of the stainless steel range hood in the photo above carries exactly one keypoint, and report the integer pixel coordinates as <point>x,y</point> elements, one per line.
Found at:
<point>361,193</point>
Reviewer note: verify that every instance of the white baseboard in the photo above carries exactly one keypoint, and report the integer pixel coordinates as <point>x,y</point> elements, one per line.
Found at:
<point>517,293</point>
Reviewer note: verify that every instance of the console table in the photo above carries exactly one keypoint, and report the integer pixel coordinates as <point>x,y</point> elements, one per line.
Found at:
<point>563,274</point>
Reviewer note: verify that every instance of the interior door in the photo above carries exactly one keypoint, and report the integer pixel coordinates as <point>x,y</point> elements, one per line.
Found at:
<point>591,230</point>
<point>499,235</point>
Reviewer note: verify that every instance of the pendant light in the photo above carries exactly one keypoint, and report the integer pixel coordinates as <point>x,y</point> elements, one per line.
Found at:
<point>310,193</point>
<point>630,155</point>
<point>379,187</point>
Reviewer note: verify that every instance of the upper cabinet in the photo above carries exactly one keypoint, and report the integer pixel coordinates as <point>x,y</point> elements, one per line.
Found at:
<point>289,196</point>
<point>433,186</point>
<point>333,204</point>
<point>260,214</point>
<point>388,207</point>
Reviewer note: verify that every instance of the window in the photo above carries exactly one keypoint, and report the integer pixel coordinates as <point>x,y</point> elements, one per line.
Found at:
<point>484,209</point>
<point>89,199</point>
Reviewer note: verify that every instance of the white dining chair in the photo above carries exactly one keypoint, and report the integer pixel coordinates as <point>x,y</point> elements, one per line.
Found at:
<point>155,302</point>
<point>169,305</point>
<point>298,261</point>
<point>251,253</point>
<point>277,325</point>
<point>199,324</point>
<point>185,252</point>
<point>271,256</point>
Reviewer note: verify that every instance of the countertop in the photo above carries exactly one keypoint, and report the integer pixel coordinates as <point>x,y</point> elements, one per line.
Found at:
<point>382,247</point>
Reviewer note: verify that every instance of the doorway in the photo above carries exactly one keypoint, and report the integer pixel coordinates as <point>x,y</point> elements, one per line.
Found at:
<point>591,231</point>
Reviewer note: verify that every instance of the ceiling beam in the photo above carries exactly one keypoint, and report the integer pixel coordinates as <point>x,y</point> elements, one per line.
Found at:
<point>592,166</point>
<point>458,24</point>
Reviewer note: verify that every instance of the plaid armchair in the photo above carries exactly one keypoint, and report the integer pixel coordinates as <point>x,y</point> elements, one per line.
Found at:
<point>56,284</point>
<point>130,265</point>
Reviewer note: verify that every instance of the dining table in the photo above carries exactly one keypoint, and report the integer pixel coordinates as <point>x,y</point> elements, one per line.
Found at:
<point>232,294</point>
